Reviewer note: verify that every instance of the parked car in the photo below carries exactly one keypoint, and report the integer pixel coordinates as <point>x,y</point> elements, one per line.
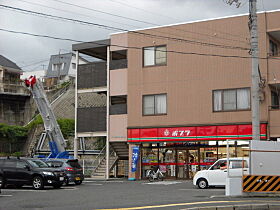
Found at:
<point>216,175</point>
<point>29,171</point>
<point>71,168</point>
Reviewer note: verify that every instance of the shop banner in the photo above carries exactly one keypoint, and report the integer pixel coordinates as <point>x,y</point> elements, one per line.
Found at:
<point>135,157</point>
<point>195,133</point>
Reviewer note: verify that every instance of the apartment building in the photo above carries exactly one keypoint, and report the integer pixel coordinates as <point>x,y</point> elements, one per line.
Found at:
<point>178,92</point>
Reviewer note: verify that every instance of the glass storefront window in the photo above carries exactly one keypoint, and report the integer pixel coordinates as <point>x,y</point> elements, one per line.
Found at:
<point>167,161</point>
<point>183,160</point>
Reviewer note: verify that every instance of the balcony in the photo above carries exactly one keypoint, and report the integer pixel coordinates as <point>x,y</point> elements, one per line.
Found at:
<point>91,119</point>
<point>14,88</point>
<point>92,75</point>
<point>118,64</point>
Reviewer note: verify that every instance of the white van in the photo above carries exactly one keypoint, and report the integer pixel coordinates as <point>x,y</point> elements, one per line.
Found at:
<point>216,175</point>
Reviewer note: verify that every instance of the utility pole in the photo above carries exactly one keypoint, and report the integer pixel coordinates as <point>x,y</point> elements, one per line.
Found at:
<point>253,25</point>
<point>255,77</point>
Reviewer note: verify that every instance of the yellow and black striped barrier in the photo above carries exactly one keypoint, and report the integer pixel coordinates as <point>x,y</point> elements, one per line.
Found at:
<point>255,183</point>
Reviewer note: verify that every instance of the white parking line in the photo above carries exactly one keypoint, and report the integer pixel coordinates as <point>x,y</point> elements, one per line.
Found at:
<point>18,190</point>
<point>163,183</point>
<point>91,181</point>
<point>203,190</point>
<point>5,195</point>
<point>94,184</point>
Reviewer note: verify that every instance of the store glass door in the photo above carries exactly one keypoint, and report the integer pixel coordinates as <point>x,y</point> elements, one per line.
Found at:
<point>167,162</point>
<point>182,163</point>
<point>193,162</point>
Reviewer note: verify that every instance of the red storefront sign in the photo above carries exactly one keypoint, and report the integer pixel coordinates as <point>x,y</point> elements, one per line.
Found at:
<point>198,133</point>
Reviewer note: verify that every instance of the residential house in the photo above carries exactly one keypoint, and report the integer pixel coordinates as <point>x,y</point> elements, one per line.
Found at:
<point>62,67</point>
<point>13,94</point>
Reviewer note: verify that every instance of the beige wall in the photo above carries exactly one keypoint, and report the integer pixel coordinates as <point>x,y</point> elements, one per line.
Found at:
<point>118,125</point>
<point>118,82</point>
<point>188,79</point>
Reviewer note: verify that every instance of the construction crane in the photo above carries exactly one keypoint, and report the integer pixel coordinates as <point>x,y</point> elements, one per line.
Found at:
<point>56,140</point>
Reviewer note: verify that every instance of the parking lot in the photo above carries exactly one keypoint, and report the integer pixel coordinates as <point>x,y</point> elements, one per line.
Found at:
<point>173,194</point>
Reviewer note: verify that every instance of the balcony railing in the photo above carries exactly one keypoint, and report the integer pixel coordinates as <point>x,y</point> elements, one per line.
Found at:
<point>92,75</point>
<point>91,119</point>
<point>14,87</point>
<point>118,64</point>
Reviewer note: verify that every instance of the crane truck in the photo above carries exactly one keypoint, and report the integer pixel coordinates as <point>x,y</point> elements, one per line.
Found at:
<point>56,140</point>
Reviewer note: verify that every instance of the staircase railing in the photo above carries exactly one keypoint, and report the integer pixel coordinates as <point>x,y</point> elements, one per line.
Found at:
<point>102,157</point>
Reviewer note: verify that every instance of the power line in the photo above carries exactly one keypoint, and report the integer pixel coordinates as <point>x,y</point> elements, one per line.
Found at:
<point>102,12</point>
<point>133,47</point>
<point>75,5</point>
<point>68,11</point>
<point>191,32</point>
<point>157,14</point>
<point>124,30</point>
<point>32,64</point>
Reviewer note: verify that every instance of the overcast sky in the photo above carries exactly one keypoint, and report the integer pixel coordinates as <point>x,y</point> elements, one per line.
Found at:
<point>25,50</point>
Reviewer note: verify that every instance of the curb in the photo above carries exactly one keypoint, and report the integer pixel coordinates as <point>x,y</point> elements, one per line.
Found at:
<point>239,207</point>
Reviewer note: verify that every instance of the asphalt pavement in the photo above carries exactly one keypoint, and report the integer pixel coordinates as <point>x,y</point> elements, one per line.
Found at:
<point>122,194</point>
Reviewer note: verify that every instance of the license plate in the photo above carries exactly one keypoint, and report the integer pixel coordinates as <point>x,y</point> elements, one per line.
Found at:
<point>77,178</point>
<point>61,178</point>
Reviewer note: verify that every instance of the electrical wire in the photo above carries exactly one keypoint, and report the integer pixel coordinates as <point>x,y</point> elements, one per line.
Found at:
<point>137,48</point>
<point>75,5</point>
<point>68,11</point>
<point>32,64</point>
<point>191,32</point>
<point>125,30</point>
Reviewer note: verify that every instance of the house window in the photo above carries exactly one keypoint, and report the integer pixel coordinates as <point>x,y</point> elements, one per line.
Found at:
<point>273,48</point>
<point>58,66</point>
<point>232,99</point>
<point>154,104</point>
<point>155,56</point>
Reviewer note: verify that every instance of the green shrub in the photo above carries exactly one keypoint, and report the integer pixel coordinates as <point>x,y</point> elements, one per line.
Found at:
<point>13,133</point>
<point>67,127</point>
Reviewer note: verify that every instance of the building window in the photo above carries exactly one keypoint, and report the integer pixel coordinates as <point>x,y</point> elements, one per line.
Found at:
<point>58,66</point>
<point>155,56</point>
<point>274,100</point>
<point>273,48</point>
<point>232,99</point>
<point>154,104</point>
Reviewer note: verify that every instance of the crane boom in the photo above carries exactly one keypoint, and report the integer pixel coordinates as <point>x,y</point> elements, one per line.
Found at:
<point>56,139</point>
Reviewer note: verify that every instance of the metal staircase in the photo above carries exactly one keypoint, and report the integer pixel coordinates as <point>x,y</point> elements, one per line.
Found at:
<point>99,163</point>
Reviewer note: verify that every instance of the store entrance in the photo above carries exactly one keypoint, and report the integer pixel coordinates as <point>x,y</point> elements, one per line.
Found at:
<point>187,163</point>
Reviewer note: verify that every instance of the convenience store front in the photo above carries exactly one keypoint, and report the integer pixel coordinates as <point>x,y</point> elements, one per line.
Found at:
<point>182,151</point>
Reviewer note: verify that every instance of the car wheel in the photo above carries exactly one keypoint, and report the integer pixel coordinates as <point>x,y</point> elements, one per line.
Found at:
<point>38,183</point>
<point>2,182</point>
<point>78,182</point>
<point>202,183</point>
<point>57,186</point>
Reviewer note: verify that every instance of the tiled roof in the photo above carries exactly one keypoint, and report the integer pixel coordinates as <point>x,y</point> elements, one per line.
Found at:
<point>7,63</point>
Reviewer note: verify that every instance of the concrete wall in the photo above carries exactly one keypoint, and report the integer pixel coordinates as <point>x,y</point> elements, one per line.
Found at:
<point>265,156</point>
